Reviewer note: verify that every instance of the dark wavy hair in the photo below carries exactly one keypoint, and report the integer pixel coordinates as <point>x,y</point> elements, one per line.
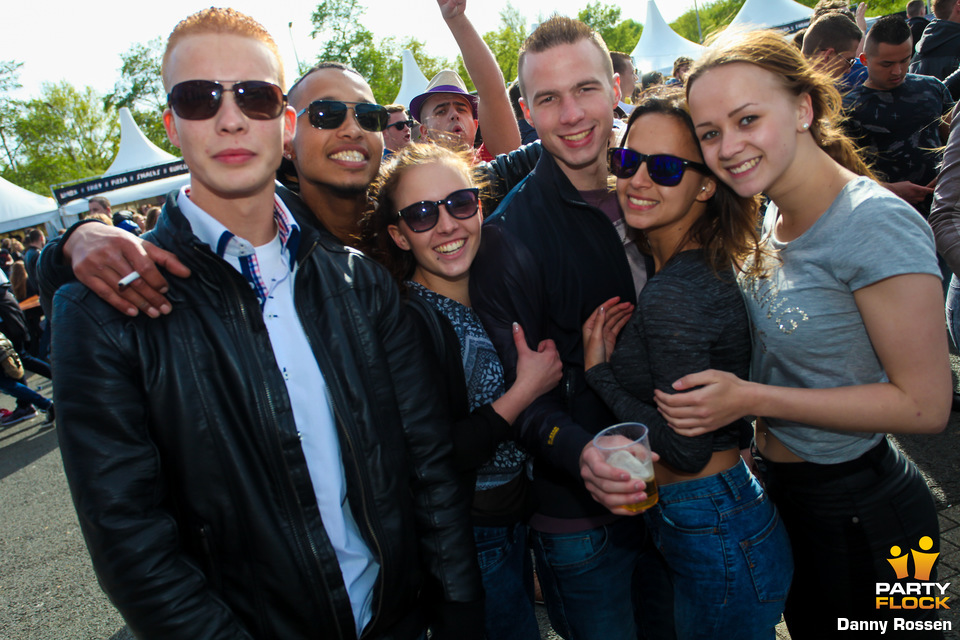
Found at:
<point>727,231</point>
<point>382,210</point>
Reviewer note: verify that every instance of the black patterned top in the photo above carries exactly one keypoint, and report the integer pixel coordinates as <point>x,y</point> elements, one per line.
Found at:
<point>484,375</point>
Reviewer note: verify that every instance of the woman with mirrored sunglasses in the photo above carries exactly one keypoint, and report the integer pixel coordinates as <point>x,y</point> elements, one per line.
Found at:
<point>721,537</point>
<point>424,226</point>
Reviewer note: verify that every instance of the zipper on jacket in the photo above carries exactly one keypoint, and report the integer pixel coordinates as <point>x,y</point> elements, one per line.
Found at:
<point>302,537</point>
<point>341,420</point>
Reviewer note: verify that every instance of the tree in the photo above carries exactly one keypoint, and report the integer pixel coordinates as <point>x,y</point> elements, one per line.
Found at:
<point>140,89</point>
<point>65,134</point>
<point>620,35</point>
<point>9,109</point>
<point>346,40</point>
<point>505,44</point>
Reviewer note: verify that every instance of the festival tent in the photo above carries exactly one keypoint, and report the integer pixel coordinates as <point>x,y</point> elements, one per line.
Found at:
<point>412,82</point>
<point>762,14</point>
<point>140,170</point>
<point>21,208</point>
<point>660,45</point>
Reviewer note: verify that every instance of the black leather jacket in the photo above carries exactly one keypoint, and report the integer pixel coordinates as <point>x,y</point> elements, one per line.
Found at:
<point>186,469</point>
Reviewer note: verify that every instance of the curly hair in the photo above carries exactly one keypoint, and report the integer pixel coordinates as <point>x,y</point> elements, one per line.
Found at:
<point>382,210</point>
<point>770,51</point>
<point>727,231</point>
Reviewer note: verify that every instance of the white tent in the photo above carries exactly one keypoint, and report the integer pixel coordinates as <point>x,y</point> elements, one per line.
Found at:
<point>21,208</point>
<point>762,14</point>
<point>660,45</point>
<point>139,157</point>
<point>413,82</point>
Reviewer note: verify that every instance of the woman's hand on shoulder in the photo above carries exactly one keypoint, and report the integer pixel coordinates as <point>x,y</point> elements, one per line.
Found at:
<point>537,371</point>
<point>705,402</point>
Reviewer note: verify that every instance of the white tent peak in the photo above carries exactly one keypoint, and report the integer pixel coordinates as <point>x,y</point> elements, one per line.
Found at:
<point>136,151</point>
<point>21,208</point>
<point>770,13</point>
<point>660,45</point>
<point>413,82</point>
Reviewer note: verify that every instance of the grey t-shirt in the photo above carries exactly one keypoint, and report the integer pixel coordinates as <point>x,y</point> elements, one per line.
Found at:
<point>807,329</point>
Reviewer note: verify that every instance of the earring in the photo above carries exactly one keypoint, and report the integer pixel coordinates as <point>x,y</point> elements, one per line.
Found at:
<point>703,188</point>
<point>806,125</point>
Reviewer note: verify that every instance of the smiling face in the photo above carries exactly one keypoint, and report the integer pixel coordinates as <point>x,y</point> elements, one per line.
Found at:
<point>663,212</point>
<point>393,139</point>
<point>345,159</point>
<point>229,155</point>
<point>444,253</point>
<point>450,113</point>
<point>748,125</point>
<point>569,98</point>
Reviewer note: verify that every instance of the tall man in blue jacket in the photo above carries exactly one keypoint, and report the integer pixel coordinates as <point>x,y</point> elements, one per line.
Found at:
<point>265,460</point>
<point>552,255</point>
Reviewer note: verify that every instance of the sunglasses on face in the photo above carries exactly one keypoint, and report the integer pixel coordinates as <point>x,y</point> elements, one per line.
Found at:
<point>423,216</point>
<point>201,99</point>
<point>330,114</point>
<point>403,124</point>
<point>665,170</point>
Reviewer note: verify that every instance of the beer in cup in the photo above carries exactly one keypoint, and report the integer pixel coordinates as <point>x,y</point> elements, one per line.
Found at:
<point>626,446</point>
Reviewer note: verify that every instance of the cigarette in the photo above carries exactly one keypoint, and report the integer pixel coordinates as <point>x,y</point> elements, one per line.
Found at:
<point>128,279</point>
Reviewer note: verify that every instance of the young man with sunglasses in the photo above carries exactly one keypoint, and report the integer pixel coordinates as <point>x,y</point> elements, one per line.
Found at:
<point>267,460</point>
<point>551,254</point>
<point>397,134</point>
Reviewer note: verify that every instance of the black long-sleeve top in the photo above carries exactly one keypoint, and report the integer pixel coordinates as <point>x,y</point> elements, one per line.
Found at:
<point>687,319</point>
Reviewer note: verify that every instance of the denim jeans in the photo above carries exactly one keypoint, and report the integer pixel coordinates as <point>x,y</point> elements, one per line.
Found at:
<point>953,310</point>
<point>607,583</point>
<point>25,395</point>
<point>507,574</point>
<point>843,520</point>
<point>728,554</point>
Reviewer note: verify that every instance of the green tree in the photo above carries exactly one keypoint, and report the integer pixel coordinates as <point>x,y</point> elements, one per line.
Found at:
<point>620,35</point>
<point>338,24</point>
<point>140,89</point>
<point>65,134</point>
<point>714,16</point>
<point>505,44</point>
<point>9,109</point>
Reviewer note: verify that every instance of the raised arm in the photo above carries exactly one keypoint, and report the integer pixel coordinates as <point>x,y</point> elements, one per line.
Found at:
<point>499,126</point>
<point>904,319</point>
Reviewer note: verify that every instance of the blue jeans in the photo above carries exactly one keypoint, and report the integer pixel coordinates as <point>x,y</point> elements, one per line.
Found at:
<point>843,520</point>
<point>953,306</point>
<point>507,574</point>
<point>607,583</point>
<point>25,395</point>
<point>729,555</point>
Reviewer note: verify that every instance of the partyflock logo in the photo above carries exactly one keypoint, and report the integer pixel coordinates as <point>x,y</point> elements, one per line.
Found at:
<point>911,592</point>
<point>919,593</point>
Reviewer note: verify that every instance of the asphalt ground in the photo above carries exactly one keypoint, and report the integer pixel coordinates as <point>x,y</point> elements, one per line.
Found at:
<point>48,590</point>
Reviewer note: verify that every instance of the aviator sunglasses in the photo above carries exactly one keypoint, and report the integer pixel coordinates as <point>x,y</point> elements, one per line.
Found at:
<point>330,114</point>
<point>201,99</point>
<point>423,216</point>
<point>665,170</point>
<point>402,124</point>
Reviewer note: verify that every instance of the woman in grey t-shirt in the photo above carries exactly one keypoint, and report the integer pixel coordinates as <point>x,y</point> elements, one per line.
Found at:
<point>848,335</point>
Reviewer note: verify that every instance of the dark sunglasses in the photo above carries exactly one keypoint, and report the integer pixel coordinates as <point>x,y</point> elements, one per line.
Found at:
<point>330,114</point>
<point>423,216</point>
<point>665,170</point>
<point>201,99</point>
<point>403,124</point>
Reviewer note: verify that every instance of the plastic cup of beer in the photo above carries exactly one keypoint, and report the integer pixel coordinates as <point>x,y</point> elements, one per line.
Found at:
<point>626,446</point>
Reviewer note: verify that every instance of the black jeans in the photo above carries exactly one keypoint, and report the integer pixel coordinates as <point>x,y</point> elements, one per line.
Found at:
<point>843,521</point>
